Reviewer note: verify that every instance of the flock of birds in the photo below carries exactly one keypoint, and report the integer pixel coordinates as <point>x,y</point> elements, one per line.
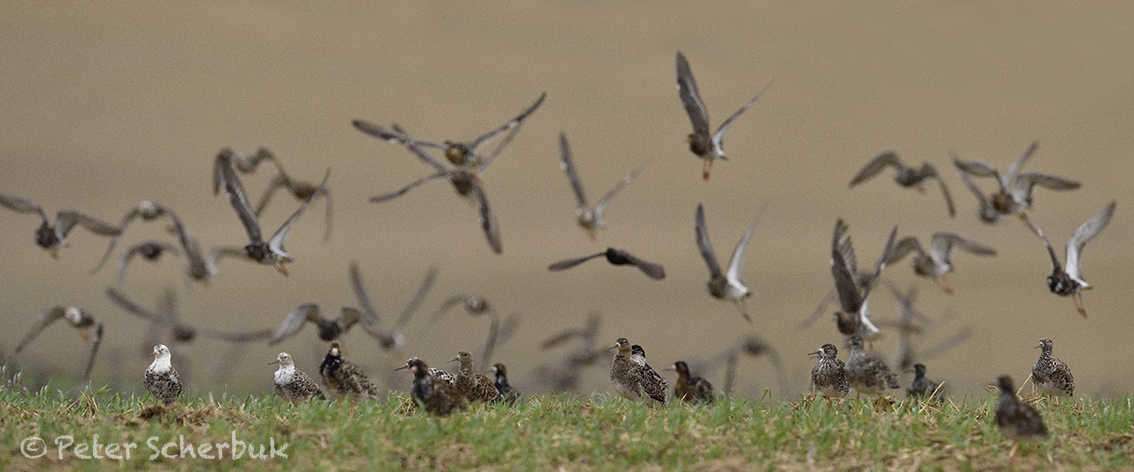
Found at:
<point>464,165</point>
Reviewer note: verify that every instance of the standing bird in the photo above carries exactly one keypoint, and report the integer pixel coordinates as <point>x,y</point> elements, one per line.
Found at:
<point>905,176</point>
<point>1069,281</point>
<point>161,380</point>
<point>78,319</point>
<point>829,375</point>
<point>725,285</point>
<point>588,217</point>
<point>708,148</point>
<point>437,396</point>
<point>922,387</point>
<point>294,385</point>
<point>271,252</point>
<point>1014,192</point>
<point>691,388</point>
<point>615,257</point>
<point>53,237</point>
<point>936,263</point>
<point>507,393</point>
<point>867,374</point>
<point>475,387</point>
<point>301,190</point>
<point>635,381</point>
<point>854,317</point>
<point>1051,375</point>
<point>344,379</point>
<point>1017,420</point>
<point>447,377</point>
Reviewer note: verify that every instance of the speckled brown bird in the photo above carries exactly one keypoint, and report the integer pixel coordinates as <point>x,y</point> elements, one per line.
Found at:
<point>344,379</point>
<point>292,384</point>
<point>475,387</point>
<point>437,396</point>
<point>1051,375</point>
<point>161,380</point>
<point>635,381</point>
<point>867,374</point>
<point>691,388</point>
<point>1016,419</point>
<point>829,375</point>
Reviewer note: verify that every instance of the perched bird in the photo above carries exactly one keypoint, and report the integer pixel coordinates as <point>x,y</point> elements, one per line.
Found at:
<point>1017,420</point>
<point>725,285</point>
<point>1014,193</point>
<point>78,319</point>
<point>371,321</point>
<point>301,190</point>
<point>437,396</point>
<point>1069,281</point>
<point>53,237</point>
<point>328,329</point>
<point>853,316</point>
<point>868,375</point>
<point>634,381</point>
<point>615,257</point>
<point>161,380</point>
<point>829,375</point>
<point>294,385</point>
<point>905,176</point>
<point>475,387</point>
<point>589,218</point>
<point>708,148</point>
<point>691,388</point>
<point>344,379</point>
<point>149,250</point>
<point>271,252</point>
<point>507,393</point>
<point>445,376</point>
<point>936,263</point>
<point>922,387</point>
<point>1051,375</point>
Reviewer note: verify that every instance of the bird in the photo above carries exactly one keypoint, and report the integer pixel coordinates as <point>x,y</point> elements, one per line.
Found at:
<point>829,375</point>
<point>90,329</point>
<point>52,237</point>
<point>301,190</point>
<point>750,345</point>
<point>922,387</point>
<point>393,338</point>
<point>507,393</point>
<point>271,252</point>
<point>147,210</point>
<point>563,374</point>
<point>161,380</point>
<point>905,354</point>
<point>294,385</point>
<point>437,396</point>
<point>867,374</point>
<point>1014,192</point>
<point>725,285</point>
<point>475,387</point>
<point>200,268</point>
<point>691,388</point>
<point>588,217</point>
<point>853,316</point>
<point>149,250</point>
<point>327,329</point>
<point>615,257</point>
<point>447,377</point>
<point>634,381</point>
<point>936,263</point>
<point>1051,375</point>
<point>167,316</point>
<point>343,379</point>
<point>708,148</point>
<point>904,175</point>
<point>1069,281</point>
<point>1017,420</point>
<point>474,304</point>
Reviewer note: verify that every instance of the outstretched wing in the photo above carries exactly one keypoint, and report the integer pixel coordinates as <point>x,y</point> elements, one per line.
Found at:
<point>572,262</point>
<point>418,297</point>
<point>1055,265</point>
<point>737,260</point>
<point>1085,233</point>
<point>903,247</point>
<point>600,207</point>
<point>22,205</point>
<point>881,161</point>
<point>691,98</point>
<point>67,219</point>
<point>224,175</point>
<point>295,321</point>
<point>718,137</point>
<point>278,239</point>
<point>512,125</point>
<point>568,164</point>
<point>43,320</point>
<point>703,243</point>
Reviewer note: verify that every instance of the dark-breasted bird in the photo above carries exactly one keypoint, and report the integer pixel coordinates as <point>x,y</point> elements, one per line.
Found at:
<point>1014,192</point>
<point>707,147</point>
<point>161,379</point>
<point>1051,375</point>
<point>1069,281</point>
<point>588,217</point>
<point>507,393</point>
<point>937,262</point>
<point>691,388</point>
<point>90,329</point>
<point>724,285</point>
<point>149,250</point>
<point>922,387</point>
<point>635,381</point>
<point>1016,419</point>
<point>475,387</point>
<point>292,384</point>
<point>615,257</point>
<point>867,374</point>
<point>904,175</point>
<point>344,379</point>
<point>52,237</point>
<point>829,375</point>
<point>437,396</point>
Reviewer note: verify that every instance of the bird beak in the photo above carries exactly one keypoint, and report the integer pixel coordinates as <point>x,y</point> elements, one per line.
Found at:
<point>455,359</point>
<point>815,353</point>
<point>277,361</point>
<point>1038,346</point>
<point>402,367</point>
<point>612,347</point>
<point>672,367</point>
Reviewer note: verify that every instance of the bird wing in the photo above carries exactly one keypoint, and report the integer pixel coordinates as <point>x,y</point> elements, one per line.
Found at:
<point>129,253</point>
<point>295,321</point>
<point>703,242</point>
<point>1014,169</point>
<point>944,191</point>
<point>395,135</point>
<point>872,168</point>
<point>1055,265</point>
<point>903,247</point>
<point>418,297</point>
<point>691,98</point>
<point>718,137</point>
<point>133,308</point>
<point>411,186</point>
<point>943,243</point>
<point>652,270</point>
<point>224,175</point>
<point>245,337</point>
<point>572,262</point>
<point>567,163</point>
<point>43,320</point>
<point>67,219</point>
<point>737,260</point>
<point>600,207</point>
<point>22,205</point>
<point>371,320</point>
<point>1085,233</point>
<point>964,172</point>
<point>511,125</point>
<point>95,343</point>
<point>487,220</point>
<point>278,239</point>
<point>1025,181</point>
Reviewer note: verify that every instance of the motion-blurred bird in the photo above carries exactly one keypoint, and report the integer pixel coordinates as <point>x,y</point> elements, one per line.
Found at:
<point>588,217</point>
<point>294,385</point>
<point>905,176</point>
<point>160,379</point>
<point>327,329</point>
<point>691,388</point>
<point>725,285</point>
<point>53,237</point>
<point>936,263</point>
<point>867,374</point>
<point>371,321</point>
<point>563,374</point>
<point>615,257</point>
<point>168,317</point>
<point>301,190</point>
<point>829,375</point>
<point>634,381</point>
<point>922,387</point>
<point>1017,420</point>
<point>1069,281</point>
<point>707,147</point>
<point>149,250</point>
<point>343,379</point>
<point>1051,375</point>
<point>853,316</point>
<point>1014,192</point>
<point>90,329</point>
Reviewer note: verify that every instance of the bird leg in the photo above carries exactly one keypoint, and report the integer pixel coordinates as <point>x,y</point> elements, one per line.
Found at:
<point>943,283</point>
<point>705,169</point>
<point>282,268</point>
<point>1078,298</point>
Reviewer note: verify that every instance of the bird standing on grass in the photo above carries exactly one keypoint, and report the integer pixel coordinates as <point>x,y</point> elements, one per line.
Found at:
<point>633,380</point>
<point>507,393</point>
<point>161,380</point>
<point>436,395</point>
<point>1051,375</point>
<point>691,388</point>
<point>922,387</point>
<point>867,374</point>
<point>475,387</point>
<point>829,375</point>
<point>294,385</point>
<point>344,379</point>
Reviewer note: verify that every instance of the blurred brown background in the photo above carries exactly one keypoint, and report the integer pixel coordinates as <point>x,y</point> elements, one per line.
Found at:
<point>103,105</point>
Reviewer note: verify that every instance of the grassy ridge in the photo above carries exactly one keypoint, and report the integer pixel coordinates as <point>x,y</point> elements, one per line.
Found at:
<point>575,432</point>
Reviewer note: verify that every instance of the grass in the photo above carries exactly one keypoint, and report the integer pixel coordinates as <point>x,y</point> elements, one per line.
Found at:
<point>573,432</point>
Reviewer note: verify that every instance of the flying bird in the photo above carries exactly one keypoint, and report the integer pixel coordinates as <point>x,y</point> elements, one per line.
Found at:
<point>393,338</point>
<point>588,217</point>
<point>301,190</point>
<point>149,250</point>
<point>1069,281</point>
<point>853,316</point>
<point>1014,188</point>
<point>52,237</point>
<point>615,257</point>
<point>936,263</point>
<point>90,329</point>
<point>725,285</point>
<point>905,176</point>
